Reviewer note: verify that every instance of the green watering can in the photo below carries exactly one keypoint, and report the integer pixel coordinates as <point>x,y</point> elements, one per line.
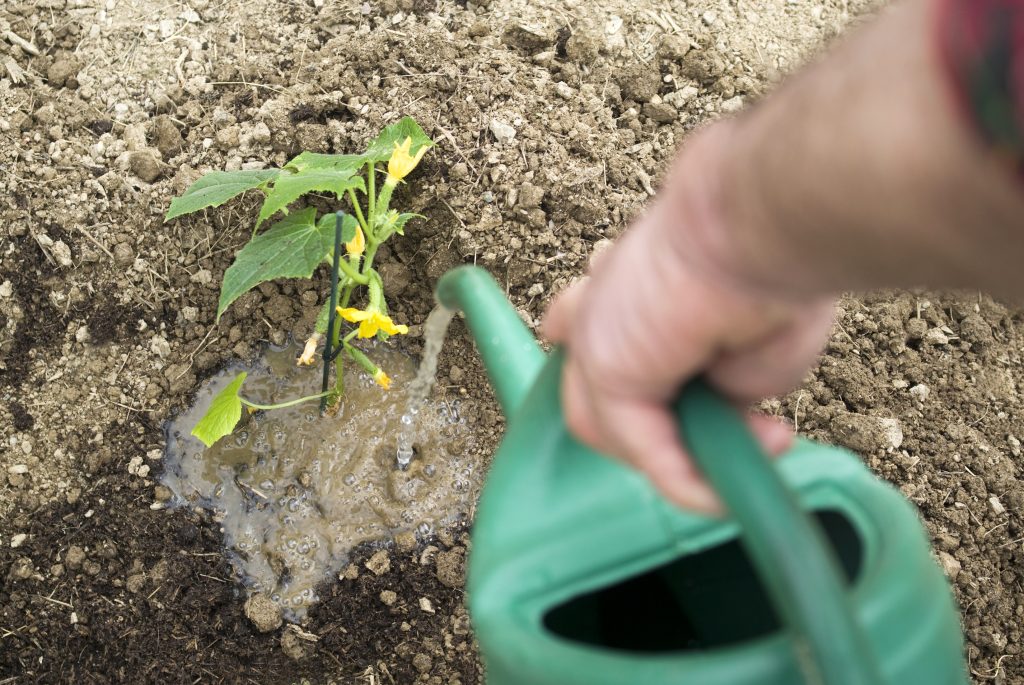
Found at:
<point>580,573</point>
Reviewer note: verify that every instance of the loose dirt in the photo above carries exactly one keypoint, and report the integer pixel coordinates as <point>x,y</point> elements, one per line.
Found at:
<point>555,121</point>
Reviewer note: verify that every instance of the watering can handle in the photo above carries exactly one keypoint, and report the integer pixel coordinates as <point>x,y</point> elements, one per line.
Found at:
<point>787,547</point>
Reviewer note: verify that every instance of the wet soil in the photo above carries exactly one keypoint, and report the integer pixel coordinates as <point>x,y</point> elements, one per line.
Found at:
<point>555,121</point>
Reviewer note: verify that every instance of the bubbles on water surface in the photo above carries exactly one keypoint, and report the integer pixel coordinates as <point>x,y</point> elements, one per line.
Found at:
<point>294,492</point>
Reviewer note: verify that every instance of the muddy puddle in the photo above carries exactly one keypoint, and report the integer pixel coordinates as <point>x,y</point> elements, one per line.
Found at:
<point>294,492</point>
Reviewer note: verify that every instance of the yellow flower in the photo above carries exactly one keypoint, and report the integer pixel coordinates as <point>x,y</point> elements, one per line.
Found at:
<point>306,358</point>
<point>382,379</point>
<point>402,162</point>
<point>370,321</point>
<point>357,244</point>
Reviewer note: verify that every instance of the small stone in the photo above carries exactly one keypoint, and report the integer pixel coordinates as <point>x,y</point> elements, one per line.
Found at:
<point>388,597</point>
<point>976,331</point>
<point>950,565</point>
<point>536,290</point>
<point>261,133</point>
<point>21,569</point>
<point>732,105</point>
<point>916,329</point>
<point>422,662</point>
<point>134,136</point>
<point>920,392</point>
<point>202,277</point>
<point>17,469</point>
<point>82,334</point>
<point>564,90</point>
<point>135,583</point>
<point>264,613</point>
<point>530,196</point>
<point>936,337</point>
<point>123,255</point>
<point>227,138</point>
<point>997,507</point>
<point>866,434</point>
<point>503,132</point>
<point>526,37</point>
<point>74,557</point>
<point>379,563</point>
<point>166,136</point>
<point>351,572</point>
<point>451,568</point>
<point>1014,443</point>
<point>64,72</point>
<point>18,540</point>
<point>426,605</point>
<point>6,289</point>
<point>661,112</point>
<point>145,165</point>
<point>62,253</point>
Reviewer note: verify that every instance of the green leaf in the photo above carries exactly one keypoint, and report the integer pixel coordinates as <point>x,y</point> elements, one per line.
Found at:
<point>223,415</point>
<point>291,248</point>
<point>326,226</point>
<point>403,219</point>
<point>316,161</point>
<point>291,186</point>
<point>393,222</point>
<point>216,188</point>
<point>381,147</point>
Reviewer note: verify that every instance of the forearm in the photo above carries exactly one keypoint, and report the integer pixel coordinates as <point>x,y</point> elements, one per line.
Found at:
<point>861,173</point>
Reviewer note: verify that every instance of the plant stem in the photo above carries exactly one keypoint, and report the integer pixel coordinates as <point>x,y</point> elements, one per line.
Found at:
<point>352,273</point>
<point>357,210</point>
<point>282,405</point>
<point>371,198</point>
<point>339,363</point>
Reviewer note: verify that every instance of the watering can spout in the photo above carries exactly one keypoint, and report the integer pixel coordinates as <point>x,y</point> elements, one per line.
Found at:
<point>511,355</point>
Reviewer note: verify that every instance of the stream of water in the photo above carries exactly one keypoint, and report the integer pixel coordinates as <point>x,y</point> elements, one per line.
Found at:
<point>434,330</point>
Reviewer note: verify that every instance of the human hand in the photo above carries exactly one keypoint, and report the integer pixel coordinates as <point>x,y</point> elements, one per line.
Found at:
<point>659,309</point>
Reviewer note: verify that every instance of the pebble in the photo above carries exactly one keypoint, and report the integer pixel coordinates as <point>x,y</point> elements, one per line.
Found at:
<point>997,506</point>
<point>950,565</point>
<point>379,563</point>
<point>920,392</point>
<point>426,605</point>
<point>388,597</point>
<point>936,337</point>
<point>19,539</point>
<point>166,136</point>
<point>564,90</point>
<point>916,329</point>
<point>17,469</point>
<point>503,132</point>
<point>6,289</point>
<point>661,112</point>
<point>451,568</point>
<point>264,613</point>
<point>732,105</point>
<point>145,165</point>
<point>74,557</point>
<point>63,72</point>
<point>867,434</point>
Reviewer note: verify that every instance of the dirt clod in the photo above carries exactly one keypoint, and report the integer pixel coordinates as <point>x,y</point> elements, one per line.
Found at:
<point>264,613</point>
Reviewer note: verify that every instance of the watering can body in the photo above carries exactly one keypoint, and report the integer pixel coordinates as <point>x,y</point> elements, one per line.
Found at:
<point>580,573</point>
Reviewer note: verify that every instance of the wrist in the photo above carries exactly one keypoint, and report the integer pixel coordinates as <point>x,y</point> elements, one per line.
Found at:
<point>723,228</point>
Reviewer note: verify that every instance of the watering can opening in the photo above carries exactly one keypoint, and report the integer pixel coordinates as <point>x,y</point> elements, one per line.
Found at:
<point>706,600</point>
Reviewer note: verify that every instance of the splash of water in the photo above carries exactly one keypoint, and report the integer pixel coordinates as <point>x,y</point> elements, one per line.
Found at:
<point>434,329</point>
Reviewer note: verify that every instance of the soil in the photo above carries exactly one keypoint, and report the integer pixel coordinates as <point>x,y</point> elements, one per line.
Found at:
<point>555,120</point>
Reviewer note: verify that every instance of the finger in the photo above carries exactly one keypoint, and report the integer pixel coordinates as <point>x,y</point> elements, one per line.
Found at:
<point>778,363</point>
<point>774,435</point>
<point>563,312</point>
<point>576,407</point>
<point>646,435</point>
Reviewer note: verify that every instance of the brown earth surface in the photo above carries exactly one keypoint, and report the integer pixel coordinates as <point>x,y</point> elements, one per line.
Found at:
<point>554,121</point>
